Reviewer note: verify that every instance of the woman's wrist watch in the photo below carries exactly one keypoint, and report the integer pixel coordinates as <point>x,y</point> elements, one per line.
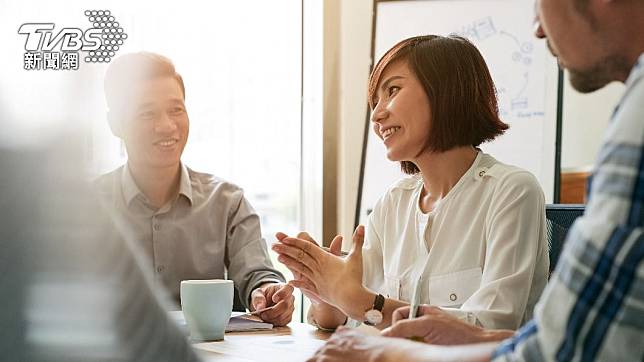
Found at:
<point>373,316</point>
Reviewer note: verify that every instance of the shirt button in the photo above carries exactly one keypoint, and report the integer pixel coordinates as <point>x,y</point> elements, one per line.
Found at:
<point>160,269</point>
<point>482,173</point>
<point>157,227</point>
<point>453,297</point>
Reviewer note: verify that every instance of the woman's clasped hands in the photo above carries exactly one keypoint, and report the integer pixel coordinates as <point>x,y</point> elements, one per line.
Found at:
<point>323,276</point>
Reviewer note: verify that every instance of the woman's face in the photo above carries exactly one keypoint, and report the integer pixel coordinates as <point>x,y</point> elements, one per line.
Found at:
<point>402,116</point>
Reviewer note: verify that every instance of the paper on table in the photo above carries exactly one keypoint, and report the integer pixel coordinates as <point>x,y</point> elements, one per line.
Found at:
<point>239,322</point>
<point>267,348</point>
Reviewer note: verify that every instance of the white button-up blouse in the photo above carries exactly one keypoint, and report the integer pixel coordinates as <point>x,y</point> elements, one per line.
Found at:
<point>482,251</point>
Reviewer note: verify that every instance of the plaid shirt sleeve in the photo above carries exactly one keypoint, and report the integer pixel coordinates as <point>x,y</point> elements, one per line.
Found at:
<point>593,306</point>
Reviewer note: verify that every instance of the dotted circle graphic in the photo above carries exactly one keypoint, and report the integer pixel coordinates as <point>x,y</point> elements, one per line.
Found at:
<point>111,35</point>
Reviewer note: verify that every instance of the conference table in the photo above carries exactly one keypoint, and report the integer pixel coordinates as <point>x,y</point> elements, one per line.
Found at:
<point>295,342</point>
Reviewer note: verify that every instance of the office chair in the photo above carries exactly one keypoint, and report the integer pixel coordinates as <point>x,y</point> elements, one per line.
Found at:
<point>559,218</point>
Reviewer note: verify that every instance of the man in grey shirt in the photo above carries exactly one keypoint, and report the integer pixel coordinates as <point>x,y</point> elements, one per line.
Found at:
<point>191,225</point>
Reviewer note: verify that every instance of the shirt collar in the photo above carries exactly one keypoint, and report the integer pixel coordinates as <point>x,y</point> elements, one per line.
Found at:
<point>131,190</point>
<point>129,187</point>
<point>185,186</point>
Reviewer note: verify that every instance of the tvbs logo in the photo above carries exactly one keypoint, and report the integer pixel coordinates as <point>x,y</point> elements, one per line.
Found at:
<point>39,37</point>
<point>49,49</point>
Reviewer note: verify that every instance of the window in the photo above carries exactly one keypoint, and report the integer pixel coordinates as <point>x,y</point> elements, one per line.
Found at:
<point>241,62</point>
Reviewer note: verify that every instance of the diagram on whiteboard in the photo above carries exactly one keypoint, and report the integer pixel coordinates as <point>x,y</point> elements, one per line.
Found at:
<point>514,97</point>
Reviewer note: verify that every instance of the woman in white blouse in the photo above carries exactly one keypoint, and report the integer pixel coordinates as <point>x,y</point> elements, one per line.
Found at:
<point>468,230</point>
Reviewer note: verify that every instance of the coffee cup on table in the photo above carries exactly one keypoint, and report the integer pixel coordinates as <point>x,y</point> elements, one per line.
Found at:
<point>207,306</point>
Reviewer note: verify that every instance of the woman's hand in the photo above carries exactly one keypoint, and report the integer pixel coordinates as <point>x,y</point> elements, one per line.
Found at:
<point>436,326</point>
<point>321,314</point>
<point>324,277</point>
<point>348,344</point>
<point>335,249</point>
<point>351,345</point>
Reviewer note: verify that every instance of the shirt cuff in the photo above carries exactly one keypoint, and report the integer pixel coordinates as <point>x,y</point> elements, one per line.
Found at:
<point>267,280</point>
<point>463,315</point>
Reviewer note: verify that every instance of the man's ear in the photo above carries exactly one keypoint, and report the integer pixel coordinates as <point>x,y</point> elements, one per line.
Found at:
<point>116,123</point>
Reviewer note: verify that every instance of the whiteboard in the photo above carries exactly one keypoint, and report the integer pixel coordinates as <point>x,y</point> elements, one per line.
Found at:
<point>524,73</point>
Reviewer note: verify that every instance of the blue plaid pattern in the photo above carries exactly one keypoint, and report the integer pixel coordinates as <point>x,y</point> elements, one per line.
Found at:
<point>593,306</point>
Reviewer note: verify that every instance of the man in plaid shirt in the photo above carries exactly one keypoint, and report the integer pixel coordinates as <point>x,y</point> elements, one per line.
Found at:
<point>593,306</point>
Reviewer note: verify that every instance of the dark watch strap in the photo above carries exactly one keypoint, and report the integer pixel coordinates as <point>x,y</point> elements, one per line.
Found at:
<point>379,302</point>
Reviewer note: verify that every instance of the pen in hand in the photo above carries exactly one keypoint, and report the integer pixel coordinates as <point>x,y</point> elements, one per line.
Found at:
<point>256,312</point>
<point>415,299</point>
<point>413,308</point>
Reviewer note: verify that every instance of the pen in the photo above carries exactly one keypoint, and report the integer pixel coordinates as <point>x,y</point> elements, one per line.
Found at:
<point>415,299</point>
<point>413,308</point>
<point>256,312</point>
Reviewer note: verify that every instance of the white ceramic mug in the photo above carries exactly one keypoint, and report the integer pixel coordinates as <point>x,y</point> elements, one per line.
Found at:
<point>207,306</point>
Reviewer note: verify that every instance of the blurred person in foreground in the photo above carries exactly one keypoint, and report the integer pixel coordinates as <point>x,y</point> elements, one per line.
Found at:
<point>593,305</point>
<point>191,225</point>
<point>72,289</point>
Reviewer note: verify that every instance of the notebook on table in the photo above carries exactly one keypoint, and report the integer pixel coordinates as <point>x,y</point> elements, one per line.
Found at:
<point>239,322</point>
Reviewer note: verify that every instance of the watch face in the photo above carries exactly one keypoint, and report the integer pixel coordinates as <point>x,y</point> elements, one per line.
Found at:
<point>373,316</point>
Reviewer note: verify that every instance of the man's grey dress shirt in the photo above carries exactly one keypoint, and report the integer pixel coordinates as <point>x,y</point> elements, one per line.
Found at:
<point>209,231</point>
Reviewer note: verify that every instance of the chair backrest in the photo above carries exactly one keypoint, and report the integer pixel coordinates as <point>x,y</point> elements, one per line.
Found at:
<point>559,218</point>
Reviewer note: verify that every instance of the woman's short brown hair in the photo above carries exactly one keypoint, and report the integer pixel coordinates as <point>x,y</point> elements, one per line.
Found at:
<point>453,73</point>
